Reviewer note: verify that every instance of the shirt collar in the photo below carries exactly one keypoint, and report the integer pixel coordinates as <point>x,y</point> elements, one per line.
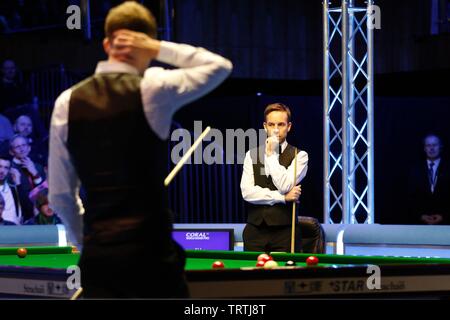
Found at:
<point>115,67</point>
<point>4,187</point>
<point>284,145</point>
<point>436,162</point>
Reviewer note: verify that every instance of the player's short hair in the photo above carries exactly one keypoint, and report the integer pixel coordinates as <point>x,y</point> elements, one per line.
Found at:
<point>133,16</point>
<point>277,107</point>
<point>41,199</point>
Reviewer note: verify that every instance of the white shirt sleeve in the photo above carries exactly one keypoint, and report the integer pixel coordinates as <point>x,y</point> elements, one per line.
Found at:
<point>253,193</point>
<point>64,184</point>
<point>283,178</point>
<point>164,91</point>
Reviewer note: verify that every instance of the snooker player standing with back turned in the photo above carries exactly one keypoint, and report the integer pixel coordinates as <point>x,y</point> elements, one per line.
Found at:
<point>108,133</point>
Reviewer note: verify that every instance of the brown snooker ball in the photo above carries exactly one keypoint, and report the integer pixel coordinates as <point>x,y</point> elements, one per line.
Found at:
<point>21,252</point>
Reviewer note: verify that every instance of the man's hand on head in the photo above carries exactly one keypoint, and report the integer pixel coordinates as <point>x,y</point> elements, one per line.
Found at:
<point>126,43</point>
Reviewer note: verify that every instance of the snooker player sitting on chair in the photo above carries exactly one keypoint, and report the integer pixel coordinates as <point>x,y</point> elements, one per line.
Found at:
<point>267,185</point>
<point>109,133</point>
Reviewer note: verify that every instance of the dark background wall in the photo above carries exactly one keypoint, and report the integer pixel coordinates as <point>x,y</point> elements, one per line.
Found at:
<point>283,39</point>
<point>266,39</point>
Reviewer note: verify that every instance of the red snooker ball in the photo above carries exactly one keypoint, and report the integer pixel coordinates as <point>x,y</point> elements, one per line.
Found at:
<point>264,257</point>
<point>22,252</point>
<point>218,265</point>
<point>260,263</point>
<point>312,261</point>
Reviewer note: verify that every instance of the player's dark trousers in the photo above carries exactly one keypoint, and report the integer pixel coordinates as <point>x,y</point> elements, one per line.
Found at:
<point>132,271</point>
<point>270,238</point>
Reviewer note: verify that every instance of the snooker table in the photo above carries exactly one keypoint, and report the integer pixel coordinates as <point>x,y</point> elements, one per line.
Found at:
<point>42,274</point>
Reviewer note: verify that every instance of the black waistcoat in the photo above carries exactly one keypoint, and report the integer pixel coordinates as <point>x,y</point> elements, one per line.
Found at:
<point>279,214</point>
<point>121,162</point>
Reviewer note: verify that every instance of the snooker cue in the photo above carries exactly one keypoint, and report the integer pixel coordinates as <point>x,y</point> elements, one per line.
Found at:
<point>185,157</point>
<point>293,206</point>
<point>77,293</point>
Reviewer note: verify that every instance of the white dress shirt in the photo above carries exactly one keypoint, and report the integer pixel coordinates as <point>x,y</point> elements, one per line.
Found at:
<point>10,212</point>
<point>282,178</point>
<point>163,92</point>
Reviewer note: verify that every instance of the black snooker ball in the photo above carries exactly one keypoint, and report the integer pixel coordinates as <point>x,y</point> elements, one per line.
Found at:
<point>290,263</point>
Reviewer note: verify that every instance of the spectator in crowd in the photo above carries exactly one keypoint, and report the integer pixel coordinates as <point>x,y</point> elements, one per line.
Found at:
<point>45,215</point>
<point>4,222</point>
<point>32,173</point>
<point>429,186</point>
<point>11,191</point>
<point>23,126</point>
<point>39,149</point>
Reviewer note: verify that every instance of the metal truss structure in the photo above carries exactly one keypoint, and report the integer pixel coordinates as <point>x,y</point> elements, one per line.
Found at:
<point>348,113</point>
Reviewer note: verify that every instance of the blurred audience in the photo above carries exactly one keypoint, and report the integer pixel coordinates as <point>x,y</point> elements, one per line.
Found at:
<point>11,191</point>
<point>32,173</point>
<point>39,147</point>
